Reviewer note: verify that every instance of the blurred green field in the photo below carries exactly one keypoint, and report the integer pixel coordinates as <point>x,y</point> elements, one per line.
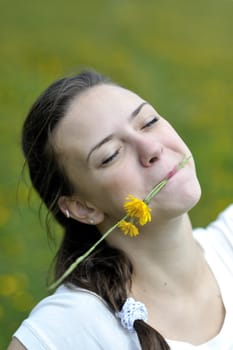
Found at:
<point>176,54</point>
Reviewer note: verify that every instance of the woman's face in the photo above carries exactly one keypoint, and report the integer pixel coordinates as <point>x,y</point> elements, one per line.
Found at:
<point>113,143</point>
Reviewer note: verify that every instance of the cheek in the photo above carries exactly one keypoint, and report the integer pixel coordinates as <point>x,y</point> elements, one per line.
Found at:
<point>121,183</point>
<point>111,191</point>
<point>180,195</point>
<point>173,139</point>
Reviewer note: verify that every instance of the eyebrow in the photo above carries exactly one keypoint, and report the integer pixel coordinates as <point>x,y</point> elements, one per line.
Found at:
<point>137,110</point>
<point>109,137</point>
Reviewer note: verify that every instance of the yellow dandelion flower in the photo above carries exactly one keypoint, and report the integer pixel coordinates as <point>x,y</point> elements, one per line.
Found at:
<point>136,208</point>
<point>128,228</point>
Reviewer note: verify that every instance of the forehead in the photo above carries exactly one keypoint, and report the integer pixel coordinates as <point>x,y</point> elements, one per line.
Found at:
<point>101,99</point>
<point>93,114</point>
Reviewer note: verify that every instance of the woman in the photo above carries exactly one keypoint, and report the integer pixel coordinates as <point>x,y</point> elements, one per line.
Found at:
<point>89,144</point>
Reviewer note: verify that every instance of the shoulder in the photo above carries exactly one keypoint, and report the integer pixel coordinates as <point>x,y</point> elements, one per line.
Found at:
<point>218,236</point>
<point>69,296</point>
<point>224,221</point>
<point>73,318</point>
<point>221,228</point>
<point>77,305</point>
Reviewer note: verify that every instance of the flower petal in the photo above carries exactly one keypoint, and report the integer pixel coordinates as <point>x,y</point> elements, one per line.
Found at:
<point>136,208</point>
<point>128,228</point>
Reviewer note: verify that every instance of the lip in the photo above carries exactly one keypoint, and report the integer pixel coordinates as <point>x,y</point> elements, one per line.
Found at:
<point>171,173</point>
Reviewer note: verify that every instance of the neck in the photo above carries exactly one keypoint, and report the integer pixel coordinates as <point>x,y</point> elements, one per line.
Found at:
<point>165,256</point>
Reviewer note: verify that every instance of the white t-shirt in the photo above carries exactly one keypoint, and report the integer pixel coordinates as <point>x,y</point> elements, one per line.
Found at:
<point>217,243</point>
<point>74,318</point>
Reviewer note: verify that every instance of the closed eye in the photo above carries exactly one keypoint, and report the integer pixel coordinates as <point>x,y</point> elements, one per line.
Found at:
<point>151,122</point>
<point>110,158</point>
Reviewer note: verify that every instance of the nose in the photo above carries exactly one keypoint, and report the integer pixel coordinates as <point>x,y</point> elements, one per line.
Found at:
<point>149,150</point>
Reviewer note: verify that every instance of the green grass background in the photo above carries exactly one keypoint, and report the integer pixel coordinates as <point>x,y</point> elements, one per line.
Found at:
<point>176,54</point>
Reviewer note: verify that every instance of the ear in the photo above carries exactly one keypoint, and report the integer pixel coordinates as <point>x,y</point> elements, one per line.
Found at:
<point>80,210</point>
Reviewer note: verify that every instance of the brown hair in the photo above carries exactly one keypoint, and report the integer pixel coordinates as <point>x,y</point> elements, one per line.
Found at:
<point>107,271</point>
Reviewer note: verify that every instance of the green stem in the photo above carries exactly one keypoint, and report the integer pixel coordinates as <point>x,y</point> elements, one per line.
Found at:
<point>82,257</point>
<point>147,200</point>
<point>162,183</point>
<point>155,190</point>
<point>184,162</point>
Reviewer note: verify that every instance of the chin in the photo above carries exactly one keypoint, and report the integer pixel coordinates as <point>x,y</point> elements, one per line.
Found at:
<point>193,202</point>
<point>187,200</point>
<point>191,193</point>
<point>180,202</point>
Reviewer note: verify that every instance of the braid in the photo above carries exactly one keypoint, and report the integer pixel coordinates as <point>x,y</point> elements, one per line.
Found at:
<point>107,272</point>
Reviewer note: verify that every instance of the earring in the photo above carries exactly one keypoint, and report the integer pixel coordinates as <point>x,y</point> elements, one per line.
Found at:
<point>91,221</point>
<point>67,213</point>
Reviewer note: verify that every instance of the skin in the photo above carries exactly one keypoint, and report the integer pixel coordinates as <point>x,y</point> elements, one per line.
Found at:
<point>113,143</point>
<point>170,272</point>
<point>141,152</point>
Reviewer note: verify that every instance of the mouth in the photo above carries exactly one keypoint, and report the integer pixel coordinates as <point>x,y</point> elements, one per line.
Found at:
<point>155,190</point>
<point>171,173</point>
<point>177,168</point>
